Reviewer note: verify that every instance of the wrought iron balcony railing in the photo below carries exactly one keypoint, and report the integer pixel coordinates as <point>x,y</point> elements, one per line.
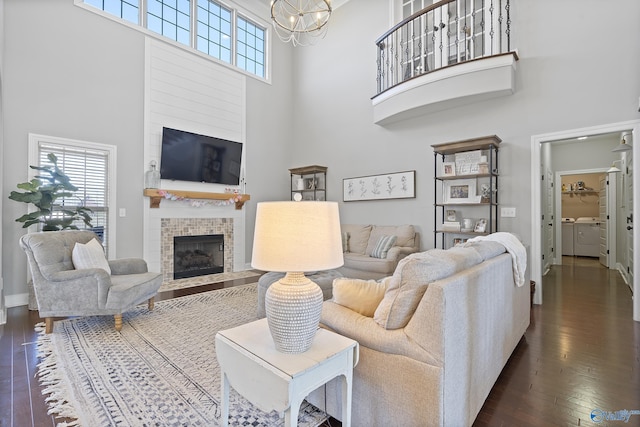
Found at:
<point>443,34</point>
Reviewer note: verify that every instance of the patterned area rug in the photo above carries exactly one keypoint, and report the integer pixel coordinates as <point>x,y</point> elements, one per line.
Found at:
<point>160,370</point>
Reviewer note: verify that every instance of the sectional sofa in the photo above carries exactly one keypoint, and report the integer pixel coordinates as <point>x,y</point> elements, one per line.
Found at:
<point>360,241</point>
<point>434,340</point>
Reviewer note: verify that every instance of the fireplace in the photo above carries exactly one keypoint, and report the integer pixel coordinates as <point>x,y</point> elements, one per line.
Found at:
<point>169,228</point>
<point>198,255</point>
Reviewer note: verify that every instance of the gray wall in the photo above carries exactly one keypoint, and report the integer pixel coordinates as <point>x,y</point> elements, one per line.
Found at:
<point>571,74</point>
<point>71,73</point>
<point>3,308</point>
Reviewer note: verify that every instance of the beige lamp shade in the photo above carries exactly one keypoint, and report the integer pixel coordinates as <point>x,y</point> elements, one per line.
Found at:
<point>297,236</point>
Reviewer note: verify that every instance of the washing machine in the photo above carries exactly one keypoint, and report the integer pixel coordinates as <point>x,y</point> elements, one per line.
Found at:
<point>586,237</point>
<point>567,236</point>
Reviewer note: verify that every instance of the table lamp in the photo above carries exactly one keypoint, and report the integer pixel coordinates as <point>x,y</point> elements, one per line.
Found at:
<point>293,238</point>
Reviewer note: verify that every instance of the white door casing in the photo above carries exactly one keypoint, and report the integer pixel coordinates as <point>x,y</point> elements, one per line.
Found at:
<point>603,213</point>
<point>536,237</point>
<point>548,224</point>
<point>629,225</point>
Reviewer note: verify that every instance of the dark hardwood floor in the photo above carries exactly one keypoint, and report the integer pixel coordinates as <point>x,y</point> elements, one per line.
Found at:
<point>581,353</point>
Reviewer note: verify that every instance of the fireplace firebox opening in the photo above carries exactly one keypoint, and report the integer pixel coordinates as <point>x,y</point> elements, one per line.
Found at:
<point>197,255</point>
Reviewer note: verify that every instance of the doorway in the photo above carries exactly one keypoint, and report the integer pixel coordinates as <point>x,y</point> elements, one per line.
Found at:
<point>539,146</point>
<point>585,195</point>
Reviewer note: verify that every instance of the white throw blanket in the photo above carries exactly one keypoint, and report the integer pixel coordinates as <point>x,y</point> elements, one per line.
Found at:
<point>515,248</point>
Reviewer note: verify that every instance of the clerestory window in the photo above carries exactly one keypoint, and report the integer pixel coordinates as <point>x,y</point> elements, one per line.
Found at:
<point>208,26</point>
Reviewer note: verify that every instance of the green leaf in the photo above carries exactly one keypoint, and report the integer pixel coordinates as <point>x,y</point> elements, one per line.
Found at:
<point>43,191</point>
<point>26,197</point>
<point>32,185</point>
<point>28,224</point>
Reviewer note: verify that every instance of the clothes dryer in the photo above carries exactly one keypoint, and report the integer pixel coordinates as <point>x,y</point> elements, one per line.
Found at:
<point>567,236</point>
<point>586,235</point>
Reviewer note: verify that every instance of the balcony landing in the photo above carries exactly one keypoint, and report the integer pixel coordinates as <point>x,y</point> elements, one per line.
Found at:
<point>448,87</point>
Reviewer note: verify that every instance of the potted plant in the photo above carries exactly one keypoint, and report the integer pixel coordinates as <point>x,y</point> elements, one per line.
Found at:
<point>43,192</point>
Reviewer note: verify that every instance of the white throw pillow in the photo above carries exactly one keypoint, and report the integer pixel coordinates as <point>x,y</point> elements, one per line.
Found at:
<point>361,296</point>
<point>90,255</point>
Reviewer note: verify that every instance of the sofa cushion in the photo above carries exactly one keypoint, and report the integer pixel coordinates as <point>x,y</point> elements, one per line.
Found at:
<point>361,296</point>
<point>382,247</point>
<point>358,236</point>
<point>405,236</point>
<point>411,278</point>
<point>366,263</point>
<point>89,255</point>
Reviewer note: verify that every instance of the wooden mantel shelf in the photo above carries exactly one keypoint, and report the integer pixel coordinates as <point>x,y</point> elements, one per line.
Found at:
<point>156,196</point>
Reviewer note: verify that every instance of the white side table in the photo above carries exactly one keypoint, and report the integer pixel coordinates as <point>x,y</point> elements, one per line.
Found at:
<point>250,363</point>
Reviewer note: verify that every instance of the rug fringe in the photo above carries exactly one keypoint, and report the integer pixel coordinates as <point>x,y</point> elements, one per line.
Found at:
<point>50,378</point>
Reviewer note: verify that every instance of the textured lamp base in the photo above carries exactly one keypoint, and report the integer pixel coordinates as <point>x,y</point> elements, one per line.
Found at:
<point>293,305</point>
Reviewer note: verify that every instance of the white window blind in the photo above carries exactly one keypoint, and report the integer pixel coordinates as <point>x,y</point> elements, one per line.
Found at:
<point>88,169</point>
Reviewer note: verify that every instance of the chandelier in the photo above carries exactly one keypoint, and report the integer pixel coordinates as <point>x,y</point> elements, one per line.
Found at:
<point>301,22</point>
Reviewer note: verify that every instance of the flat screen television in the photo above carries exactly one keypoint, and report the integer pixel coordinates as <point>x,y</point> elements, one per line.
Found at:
<point>188,156</point>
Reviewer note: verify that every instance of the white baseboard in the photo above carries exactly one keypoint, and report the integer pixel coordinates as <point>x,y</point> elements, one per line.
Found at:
<point>625,276</point>
<point>3,309</point>
<point>16,300</point>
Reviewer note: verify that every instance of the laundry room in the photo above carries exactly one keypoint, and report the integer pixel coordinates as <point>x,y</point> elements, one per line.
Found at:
<point>580,214</point>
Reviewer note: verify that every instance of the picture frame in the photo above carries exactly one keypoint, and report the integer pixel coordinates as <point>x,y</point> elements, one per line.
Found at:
<point>396,185</point>
<point>459,191</point>
<point>481,226</point>
<point>448,169</point>
<point>458,240</point>
<point>451,215</point>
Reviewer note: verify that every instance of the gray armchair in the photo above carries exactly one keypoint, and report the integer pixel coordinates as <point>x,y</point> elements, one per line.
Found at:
<point>61,290</point>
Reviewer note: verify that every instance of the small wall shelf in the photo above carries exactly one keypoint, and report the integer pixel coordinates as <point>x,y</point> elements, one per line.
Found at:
<point>156,196</point>
<point>309,182</point>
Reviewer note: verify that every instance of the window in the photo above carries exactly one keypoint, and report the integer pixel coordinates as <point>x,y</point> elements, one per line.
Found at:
<point>205,25</point>
<point>214,30</point>
<point>409,7</point>
<point>125,9</point>
<point>171,18</point>
<point>250,47</point>
<point>88,166</point>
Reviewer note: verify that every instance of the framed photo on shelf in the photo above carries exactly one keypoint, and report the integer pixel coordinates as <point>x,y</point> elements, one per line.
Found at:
<point>459,191</point>
<point>458,240</point>
<point>481,226</point>
<point>448,169</point>
<point>451,215</point>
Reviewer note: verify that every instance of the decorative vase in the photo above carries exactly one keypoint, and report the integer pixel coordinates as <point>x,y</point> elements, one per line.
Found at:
<point>152,176</point>
<point>293,305</point>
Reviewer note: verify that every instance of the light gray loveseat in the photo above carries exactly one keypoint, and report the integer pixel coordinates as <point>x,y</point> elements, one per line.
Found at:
<point>435,346</point>
<point>359,242</point>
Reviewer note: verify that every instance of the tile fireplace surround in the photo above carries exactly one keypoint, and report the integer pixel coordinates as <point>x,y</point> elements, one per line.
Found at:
<point>175,218</point>
<point>171,227</point>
